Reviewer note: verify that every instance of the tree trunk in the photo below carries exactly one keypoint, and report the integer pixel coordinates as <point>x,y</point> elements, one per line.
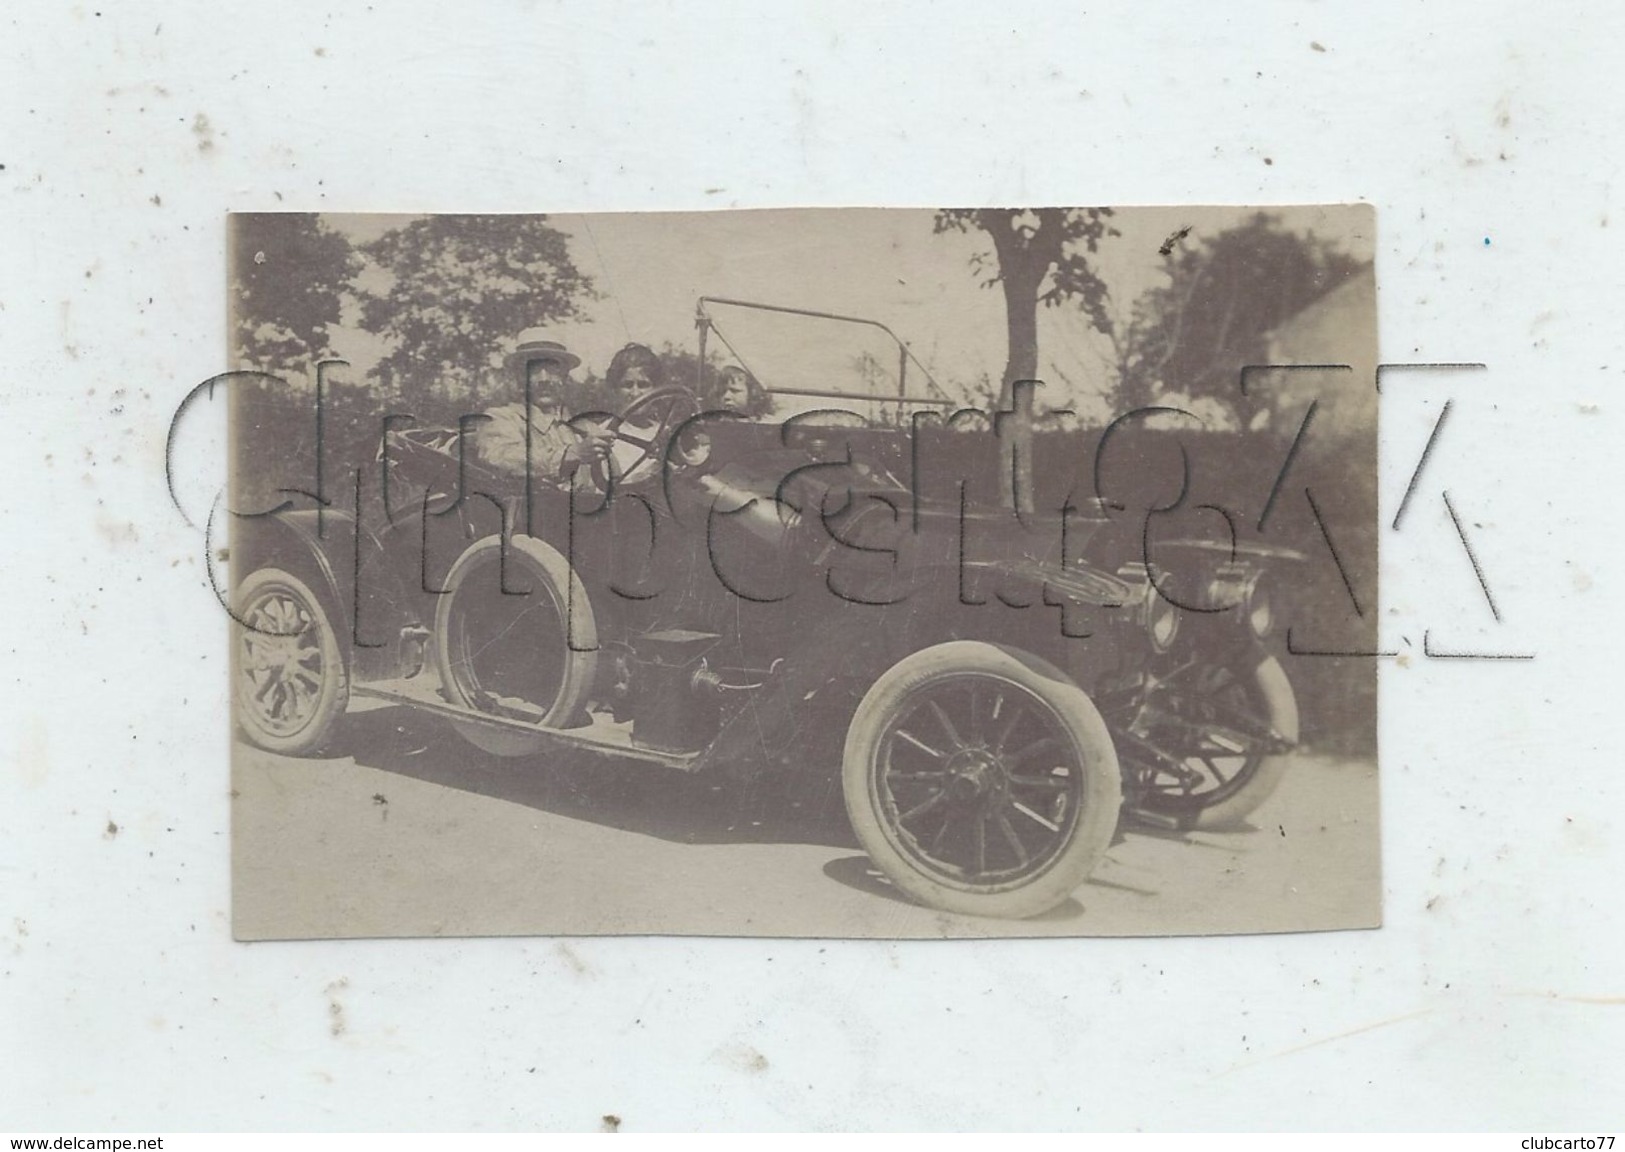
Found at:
<point>1015,422</point>
<point>1025,255</point>
<point>1021,328</point>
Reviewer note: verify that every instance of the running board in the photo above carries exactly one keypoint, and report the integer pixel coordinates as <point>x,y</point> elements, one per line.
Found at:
<point>604,736</point>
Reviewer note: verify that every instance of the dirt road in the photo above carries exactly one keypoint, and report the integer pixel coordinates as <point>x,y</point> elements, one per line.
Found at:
<point>407,830</point>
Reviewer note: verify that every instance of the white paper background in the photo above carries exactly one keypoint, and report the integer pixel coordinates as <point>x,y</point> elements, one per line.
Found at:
<point>1488,136</point>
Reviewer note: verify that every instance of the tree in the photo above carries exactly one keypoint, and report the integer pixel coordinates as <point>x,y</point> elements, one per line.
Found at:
<point>1224,295</point>
<point>1040,256</point>
<point>682,368</point>
<point>289,274</point>
<point>463,286</point>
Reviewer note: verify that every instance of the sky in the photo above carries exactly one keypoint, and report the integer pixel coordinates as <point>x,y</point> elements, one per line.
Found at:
<point>884,264</point>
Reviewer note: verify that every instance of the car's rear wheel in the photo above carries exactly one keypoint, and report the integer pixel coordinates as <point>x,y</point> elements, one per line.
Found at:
<point>981,780</point>
<point>292,682</point>
<point>530,657</point>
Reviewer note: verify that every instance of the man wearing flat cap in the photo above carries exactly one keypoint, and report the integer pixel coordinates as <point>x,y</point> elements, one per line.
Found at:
<point>556,449</point>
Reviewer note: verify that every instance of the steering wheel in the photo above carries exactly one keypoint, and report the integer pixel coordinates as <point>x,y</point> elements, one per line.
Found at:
<point>669,406</point>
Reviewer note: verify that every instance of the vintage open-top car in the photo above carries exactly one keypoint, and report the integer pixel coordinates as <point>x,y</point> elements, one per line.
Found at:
<point>1001,687</point>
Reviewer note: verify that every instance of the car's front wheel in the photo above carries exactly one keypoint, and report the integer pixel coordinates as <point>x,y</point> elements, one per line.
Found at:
<point>981,780</point>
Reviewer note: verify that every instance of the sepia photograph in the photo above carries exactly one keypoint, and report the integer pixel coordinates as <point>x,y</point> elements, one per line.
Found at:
<point>813,573</point>
<point>590,568</point>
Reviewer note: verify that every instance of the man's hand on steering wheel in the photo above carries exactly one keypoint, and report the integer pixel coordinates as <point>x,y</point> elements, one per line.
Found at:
<point>591,450</point>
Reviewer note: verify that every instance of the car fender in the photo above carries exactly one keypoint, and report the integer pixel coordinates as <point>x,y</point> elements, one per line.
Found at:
<point>343,562</point>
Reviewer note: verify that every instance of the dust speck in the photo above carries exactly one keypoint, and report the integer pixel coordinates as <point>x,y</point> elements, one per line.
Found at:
<point>110,831</point>
<point>743,1058</point>
<point>611,1122</point>
<point>117,533</point>
<point>1316,46</point>
<point>204,131</point>
<point>336,1023</point>
<point>569,955</point>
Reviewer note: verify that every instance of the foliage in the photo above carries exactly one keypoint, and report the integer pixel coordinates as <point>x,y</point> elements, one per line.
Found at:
<point>1040,256</point>
<point>1223,297</point>
<point>290,272</point>
<point>682,368</point>
<point>460,285</point>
